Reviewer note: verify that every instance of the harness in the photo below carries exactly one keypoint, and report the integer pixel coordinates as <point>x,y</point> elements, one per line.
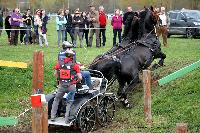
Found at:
<point>66,74</point>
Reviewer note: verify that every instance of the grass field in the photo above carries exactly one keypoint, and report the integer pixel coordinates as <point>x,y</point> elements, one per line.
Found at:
<point>173,103</point>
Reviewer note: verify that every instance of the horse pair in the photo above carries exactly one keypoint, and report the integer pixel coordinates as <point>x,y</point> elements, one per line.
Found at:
<point>136,52</point>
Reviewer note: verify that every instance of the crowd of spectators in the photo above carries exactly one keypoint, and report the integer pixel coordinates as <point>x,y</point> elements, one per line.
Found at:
<point>25,27</point>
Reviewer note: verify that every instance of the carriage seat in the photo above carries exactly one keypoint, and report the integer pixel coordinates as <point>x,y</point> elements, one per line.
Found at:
<point>83,89</point>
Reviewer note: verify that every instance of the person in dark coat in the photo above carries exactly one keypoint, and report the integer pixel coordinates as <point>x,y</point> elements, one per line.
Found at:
<point>78,26</point>
<point>127,19</point>
<point>1,22</point>
<point>86,24</point>
<point>8,26</point>
<point>68,25</point>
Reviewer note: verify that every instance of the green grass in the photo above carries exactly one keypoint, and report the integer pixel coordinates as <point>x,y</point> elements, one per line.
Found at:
<point>176,102</point>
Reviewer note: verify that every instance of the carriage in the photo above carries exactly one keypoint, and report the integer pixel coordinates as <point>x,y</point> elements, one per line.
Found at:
<point>90,108</point>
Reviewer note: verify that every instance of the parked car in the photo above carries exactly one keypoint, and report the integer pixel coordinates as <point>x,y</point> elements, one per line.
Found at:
<point>184,22</point>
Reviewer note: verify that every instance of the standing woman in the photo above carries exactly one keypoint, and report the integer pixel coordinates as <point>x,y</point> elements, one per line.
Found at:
<point>60,25</point>
<point>86,24</point>
<point>42,34</point>
<point>117,26</point>
<point>37,23</point>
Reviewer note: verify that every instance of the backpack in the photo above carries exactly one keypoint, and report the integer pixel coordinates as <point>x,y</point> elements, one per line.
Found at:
<point>66,74</point>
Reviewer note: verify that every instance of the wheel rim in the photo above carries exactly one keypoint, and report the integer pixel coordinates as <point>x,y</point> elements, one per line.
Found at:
<point>106,110</point>
<point>189,33</point>
<point>87,119</point>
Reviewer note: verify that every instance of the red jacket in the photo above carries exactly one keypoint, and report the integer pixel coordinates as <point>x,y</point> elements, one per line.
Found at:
<point>102,19</point>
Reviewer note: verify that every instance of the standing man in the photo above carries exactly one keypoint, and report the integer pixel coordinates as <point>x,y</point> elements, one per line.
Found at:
<point>68,25</point>
<point>28,19</point>
<point>163,26</point>
<point>102,21</point>
<point>127,20</point>
<point>16,19</point>
<point>78,27</point>
<point>94,21</point>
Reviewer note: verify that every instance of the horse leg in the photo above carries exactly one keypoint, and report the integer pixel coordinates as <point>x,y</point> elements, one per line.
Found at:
<point>132,83</point>
<point>162,57</point>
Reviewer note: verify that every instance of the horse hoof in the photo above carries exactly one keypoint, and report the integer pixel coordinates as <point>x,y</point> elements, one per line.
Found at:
<point>128,106</point>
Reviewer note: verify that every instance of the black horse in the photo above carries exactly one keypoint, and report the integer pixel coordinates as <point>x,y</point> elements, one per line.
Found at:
<point>126,61</point>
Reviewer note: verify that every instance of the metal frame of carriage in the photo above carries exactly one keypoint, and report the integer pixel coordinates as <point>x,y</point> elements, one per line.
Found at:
<point>90,109</point>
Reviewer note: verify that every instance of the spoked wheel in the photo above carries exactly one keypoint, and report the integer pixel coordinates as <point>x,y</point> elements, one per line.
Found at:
<point>87,118</point>
<point>106,110</point>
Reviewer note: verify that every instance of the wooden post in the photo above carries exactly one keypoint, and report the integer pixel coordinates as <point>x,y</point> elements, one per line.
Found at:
<point>147,95</point>
<point>39,114</point>
<point>38,71</point>
<point>181,128</point>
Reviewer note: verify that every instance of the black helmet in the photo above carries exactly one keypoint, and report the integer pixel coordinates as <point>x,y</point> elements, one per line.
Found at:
<point>66,45</point>
<point>69,53</point>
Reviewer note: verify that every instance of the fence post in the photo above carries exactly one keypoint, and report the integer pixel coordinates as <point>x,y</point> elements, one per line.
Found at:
<point>147,95</point>
<point>39,113</point>
<point>181,128</point>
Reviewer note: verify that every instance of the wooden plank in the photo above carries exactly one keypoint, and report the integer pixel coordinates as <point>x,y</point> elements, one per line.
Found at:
<point>13,64</point>
<point>179,73</point>
<point>181,128</point>
<point>147,95</point>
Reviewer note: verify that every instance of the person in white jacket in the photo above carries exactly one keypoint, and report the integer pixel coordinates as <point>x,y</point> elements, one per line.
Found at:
<point>60,26</point>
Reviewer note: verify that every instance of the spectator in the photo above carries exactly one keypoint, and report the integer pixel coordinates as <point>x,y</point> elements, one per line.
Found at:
<point>86,24</point>
<point>28,23</point>
<point>8,26</point>
<point>102,21</point>
<point>94,21</point>
<point>163,26</point>
<point>16,19</point>
<point>77,22</point>
<point>116,22</point>
<point>43,29</point>
<point>37,22</point>
<point>60,25</point>
<point>1,22</point>
<point>127,20</point>
<point>68,25</point>
<point>22,30</point>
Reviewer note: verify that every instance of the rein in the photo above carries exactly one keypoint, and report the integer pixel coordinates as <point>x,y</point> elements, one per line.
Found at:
<point>110,56</point>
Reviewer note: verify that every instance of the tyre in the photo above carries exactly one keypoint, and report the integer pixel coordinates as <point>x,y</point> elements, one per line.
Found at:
<point>87,119</point>
<point>188,33</point>
<point>106,110</point>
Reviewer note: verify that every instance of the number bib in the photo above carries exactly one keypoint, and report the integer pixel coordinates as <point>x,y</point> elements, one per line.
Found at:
<point>65,74</point>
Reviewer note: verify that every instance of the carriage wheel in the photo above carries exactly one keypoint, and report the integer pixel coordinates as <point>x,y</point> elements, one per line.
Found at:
<point>87,118</point>
<point>106,110</point>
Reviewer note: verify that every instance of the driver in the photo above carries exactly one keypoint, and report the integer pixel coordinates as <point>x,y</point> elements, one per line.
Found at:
<point>68,74</point>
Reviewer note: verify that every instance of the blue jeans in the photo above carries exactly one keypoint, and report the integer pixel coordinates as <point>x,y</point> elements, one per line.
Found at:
<point>61,32</point>
<point>87,77</point>
<point>28,34</point>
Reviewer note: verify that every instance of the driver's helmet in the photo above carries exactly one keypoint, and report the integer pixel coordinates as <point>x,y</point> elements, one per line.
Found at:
<point>69,53</point>
<point>66,45</point>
